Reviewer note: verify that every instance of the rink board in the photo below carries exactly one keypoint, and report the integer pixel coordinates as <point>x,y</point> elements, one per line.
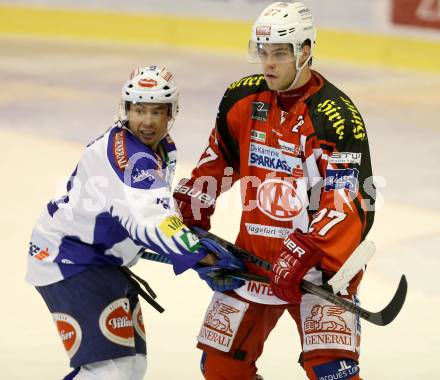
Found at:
<point>370,46</point>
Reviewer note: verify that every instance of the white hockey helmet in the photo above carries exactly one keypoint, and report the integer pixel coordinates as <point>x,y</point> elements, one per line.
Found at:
<point>151,84</point>
<point>283,22</point>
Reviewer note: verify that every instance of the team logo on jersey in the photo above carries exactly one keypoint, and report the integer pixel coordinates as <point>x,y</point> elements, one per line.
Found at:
<point>147,83</point>
<point>326,326</point>
<point>116,324</point>
<point>138,321</point>
<point>337,179</point>
<point>345,158</point>
<point>140,175</point>
<point>268,158</point>
<point>278,200</point>
<point>258,136</point>
<point>70,332</point>
<point>260,111</point>
<point>222,321</point>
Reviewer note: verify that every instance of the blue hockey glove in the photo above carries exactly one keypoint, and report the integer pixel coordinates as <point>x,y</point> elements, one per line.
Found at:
<point>214,275</point>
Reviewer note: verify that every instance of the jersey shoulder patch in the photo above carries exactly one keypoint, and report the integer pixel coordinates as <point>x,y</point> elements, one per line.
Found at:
<point>135,164</point>
<point>334,116</point>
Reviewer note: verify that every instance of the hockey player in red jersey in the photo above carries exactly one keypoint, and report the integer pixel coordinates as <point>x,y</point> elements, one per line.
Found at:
<point>298,146</point>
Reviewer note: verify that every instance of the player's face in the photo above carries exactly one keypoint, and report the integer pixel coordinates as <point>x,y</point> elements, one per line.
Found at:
<point>278,65</point>
<point>149,122</point>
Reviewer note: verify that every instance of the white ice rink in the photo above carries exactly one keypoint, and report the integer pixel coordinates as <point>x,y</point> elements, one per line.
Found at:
<point>55,97</point>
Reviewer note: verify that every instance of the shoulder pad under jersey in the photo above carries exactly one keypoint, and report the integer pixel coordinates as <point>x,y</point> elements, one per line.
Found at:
<point>236,91</point>
<point>135,163</point>
<point>335,117</point>
<point>244,87</point>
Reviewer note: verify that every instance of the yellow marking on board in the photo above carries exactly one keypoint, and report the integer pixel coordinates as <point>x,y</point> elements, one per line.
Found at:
<point>219,35</point>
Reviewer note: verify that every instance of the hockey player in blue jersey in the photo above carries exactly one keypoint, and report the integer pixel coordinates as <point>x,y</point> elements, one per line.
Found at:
<point>118,201</point>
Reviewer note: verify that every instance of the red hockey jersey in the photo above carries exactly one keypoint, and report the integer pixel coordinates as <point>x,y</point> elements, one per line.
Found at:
<point>308,168</point>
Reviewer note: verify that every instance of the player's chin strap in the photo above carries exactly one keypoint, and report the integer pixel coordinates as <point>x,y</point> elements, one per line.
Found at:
<point>148,294</point>
<point>299,70</point>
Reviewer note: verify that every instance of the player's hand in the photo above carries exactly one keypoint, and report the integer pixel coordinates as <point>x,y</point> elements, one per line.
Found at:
<point>195,206</point>
<point>214,274</point>
<point>297,256</point>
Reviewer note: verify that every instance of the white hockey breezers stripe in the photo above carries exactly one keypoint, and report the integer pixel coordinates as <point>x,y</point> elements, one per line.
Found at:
<point>354,264</point>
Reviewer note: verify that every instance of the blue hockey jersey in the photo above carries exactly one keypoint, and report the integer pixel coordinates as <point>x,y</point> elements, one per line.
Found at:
<point>118,201</point>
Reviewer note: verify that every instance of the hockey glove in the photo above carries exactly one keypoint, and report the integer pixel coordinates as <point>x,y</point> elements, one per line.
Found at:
<point>195,205</point>
<point>297,256</point>
<point>214,275</point>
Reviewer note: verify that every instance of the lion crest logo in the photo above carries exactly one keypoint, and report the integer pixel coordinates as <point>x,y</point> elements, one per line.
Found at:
<point>326,319</point>
<point>217,318</point>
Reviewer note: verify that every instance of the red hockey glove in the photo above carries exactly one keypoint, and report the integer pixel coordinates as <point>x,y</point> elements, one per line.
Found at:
<point>297,256</point>
<point>195,205</point>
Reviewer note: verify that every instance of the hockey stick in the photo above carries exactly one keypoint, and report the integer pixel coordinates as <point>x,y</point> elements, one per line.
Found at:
<point>352,266</point>
<point>355,263</point>
<point>153,256</point>
<point>380,318</point>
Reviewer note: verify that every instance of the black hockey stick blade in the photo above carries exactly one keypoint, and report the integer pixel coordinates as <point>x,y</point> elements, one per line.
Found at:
<point>380,318</point>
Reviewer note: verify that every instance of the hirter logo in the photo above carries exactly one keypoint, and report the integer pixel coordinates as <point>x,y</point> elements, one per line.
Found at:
<point>278,200</point>
<point>116,323</point>
<point>138,321</point>
<point>70,332</point>
<point>148,83</point>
